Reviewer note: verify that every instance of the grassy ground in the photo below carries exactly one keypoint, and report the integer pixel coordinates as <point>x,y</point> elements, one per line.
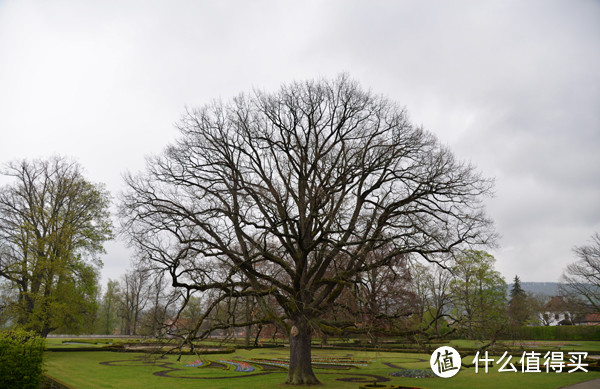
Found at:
<point>76,343</point>
<point>84,370</point>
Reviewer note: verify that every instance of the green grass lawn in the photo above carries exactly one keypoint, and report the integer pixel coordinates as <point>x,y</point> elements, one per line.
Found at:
<point>76,343</point>
<point>84,370</point>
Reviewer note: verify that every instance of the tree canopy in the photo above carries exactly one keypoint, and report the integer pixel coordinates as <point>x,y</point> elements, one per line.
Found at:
<point>53,222</point>
<point>285,197</point>
<point>479,294</point>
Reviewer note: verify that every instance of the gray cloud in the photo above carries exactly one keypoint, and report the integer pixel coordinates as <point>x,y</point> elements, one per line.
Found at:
<point>511,86</point>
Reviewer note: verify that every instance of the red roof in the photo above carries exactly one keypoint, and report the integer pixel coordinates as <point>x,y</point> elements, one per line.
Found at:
<point>556,304</point>
<point>592,318</point>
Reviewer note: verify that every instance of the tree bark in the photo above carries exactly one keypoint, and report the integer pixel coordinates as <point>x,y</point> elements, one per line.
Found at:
<point>257,335</point>
<point>300,372</point>
<point>45,331</point>
<point>248,319</point>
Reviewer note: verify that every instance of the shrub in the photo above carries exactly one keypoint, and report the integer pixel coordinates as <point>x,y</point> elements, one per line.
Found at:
<point>556,333</point>
<point>413,373</point>
<point>21,354</point>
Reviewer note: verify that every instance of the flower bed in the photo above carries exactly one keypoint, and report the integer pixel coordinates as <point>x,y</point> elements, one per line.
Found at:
<point>413,373</point>
<point>246,365</point>
<point>324,363</point>
<point>197,363</point>
<point>381,386</point>
<point>240,366</point>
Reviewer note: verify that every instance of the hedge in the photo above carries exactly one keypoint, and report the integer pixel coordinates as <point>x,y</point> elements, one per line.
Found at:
<point>21,354</point>
<point>555,333</point>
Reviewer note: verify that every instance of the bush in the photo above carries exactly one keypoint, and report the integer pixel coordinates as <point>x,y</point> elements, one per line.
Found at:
<point>21,354</point>
<point>413,373</point>
<point>556,333</point>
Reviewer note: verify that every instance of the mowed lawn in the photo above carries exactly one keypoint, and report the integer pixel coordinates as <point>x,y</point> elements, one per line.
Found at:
<point>135,370</point>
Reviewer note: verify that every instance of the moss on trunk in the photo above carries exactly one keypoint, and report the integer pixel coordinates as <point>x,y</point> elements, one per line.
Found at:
<point>301,372</point>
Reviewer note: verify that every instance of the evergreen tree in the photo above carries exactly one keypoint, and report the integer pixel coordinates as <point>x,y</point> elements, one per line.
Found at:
<point>516,290</point>
<point>518,310</point>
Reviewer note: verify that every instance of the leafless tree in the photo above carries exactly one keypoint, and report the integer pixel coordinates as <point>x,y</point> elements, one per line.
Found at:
<point>162,301</point>
<point>303,184</point>
<point>432,286</point>
<point>384,299</point>
<point>135,288</point>
<point>581,280</point>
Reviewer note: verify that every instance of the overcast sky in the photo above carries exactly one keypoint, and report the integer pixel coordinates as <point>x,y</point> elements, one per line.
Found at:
<point>512,86</point>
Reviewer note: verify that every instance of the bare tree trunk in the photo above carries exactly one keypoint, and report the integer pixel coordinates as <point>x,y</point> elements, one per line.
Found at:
<point>248,319</point>
<point>257,335</point>
<point>324,339</point>
<point>45,331</point>
<point>300,372</point>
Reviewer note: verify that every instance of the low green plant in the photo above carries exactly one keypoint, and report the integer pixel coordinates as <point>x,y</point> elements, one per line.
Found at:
<point>557,333</point>
<point>21,358</point>
<point>413,373</point>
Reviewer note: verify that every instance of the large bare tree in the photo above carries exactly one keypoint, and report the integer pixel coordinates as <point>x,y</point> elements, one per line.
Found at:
<point>284,196</point>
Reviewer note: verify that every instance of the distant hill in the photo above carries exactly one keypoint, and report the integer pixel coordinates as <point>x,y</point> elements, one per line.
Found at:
<point>539,288</point>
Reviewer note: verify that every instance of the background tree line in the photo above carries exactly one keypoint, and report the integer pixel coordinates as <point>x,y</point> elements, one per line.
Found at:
<point>54,223</point>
